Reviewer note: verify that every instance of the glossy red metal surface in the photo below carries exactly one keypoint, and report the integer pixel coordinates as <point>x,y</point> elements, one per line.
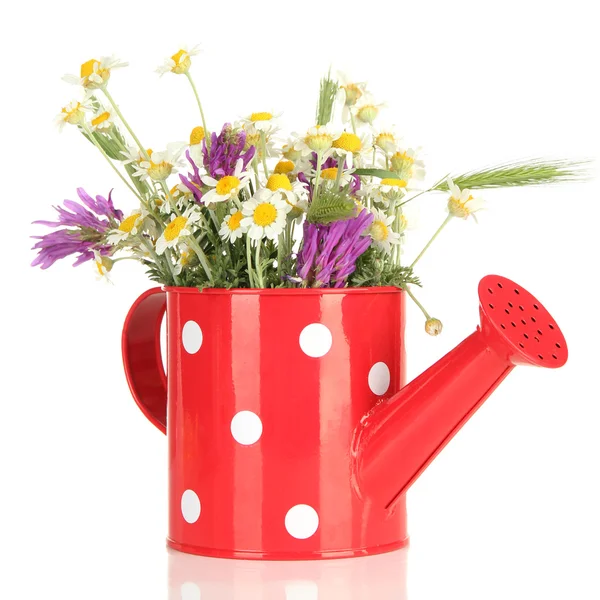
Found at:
<point>289,434</point>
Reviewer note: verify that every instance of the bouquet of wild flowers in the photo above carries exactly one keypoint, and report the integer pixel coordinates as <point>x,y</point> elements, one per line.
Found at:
<point>242,207</point>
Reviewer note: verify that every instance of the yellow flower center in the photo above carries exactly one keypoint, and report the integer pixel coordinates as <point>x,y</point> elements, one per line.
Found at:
<point>330,173</point>
<point>279,182</point>
<point>385,141</point>
<point>284,166</point>
<point>227,184</point>
<point>184,259</point>
<point>100,119</point>
<point>404,157</point>
<point>73,114</point>
<point>379,231</point>
<point>290,153</point>
<point>87,68</point>
<point>129,223</point>
<point>349,142</point>
<point>197,135</point>
<point>159,171</point>
<point>400,183</point>
<point>353,93</point>
<point>261,116</point>
<point>174,228</point>
<point>367,113</point>
<point>182,62</point>
<point>234,220</point>
<point>458,208</point>
<point>252,139</point>
<point>265,214</point>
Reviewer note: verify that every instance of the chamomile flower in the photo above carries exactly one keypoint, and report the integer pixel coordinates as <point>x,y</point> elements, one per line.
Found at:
<point>254,138</point>
<point>95,73</point>
<point>185,253</point>
<point>130,226</point>
<point>227,187</point>
<point>102,266</point>
<point>350,145</point>
<point>231,228</point>
<point>180,62</point>
<point>366,111</point>
<point>386,138</point>
<point>103,120</point>
<point>294,193</point>
<point>318,139</point>
<point>196,136</point>
<point>289,151</point>
<point>349,93</point>
<point>159,165</point>
<point>72,114</point>
<point>407,164</point>
<point>264,215</point>
<point>381,232</point>
<point>263,121</point>
<point>178,228</point>
<point>133,155</point>
<point>461,203</point>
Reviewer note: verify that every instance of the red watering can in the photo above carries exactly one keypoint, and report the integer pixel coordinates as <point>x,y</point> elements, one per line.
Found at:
<point>292,432</point>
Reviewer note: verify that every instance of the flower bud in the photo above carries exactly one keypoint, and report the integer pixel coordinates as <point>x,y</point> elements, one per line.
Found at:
<point>433,326</point>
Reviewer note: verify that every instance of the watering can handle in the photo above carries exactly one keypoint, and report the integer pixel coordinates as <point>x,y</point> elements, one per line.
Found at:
<point>140,345</point>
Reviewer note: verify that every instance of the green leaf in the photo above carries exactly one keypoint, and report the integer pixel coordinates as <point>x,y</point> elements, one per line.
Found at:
<point>329,207</point>
<point>381,173</point>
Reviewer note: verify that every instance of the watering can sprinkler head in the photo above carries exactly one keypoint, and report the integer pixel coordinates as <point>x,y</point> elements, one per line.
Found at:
<point>397,439</point>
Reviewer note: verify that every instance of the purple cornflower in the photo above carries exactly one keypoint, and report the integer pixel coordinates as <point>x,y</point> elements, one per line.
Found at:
<point>192,182</point>
<point>225,150</point>
<point>83,230</point>
<point>329,252</point>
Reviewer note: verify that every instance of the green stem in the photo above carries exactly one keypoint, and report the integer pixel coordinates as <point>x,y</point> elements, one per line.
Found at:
<point>169,257</point>
<point>340,170</point>
<point>206,132</point>
<point>352,120</point>
<point>110,162</point>
<point>433,188</point>
<point>191,240</point>
<point>249,261</point>
<point>318,175</point>
<point>259,275</point>
<point>446,221</point>
<point>120,115</point>
<point>417,303</point>
<point>263,140</point>
<point>255,168</point>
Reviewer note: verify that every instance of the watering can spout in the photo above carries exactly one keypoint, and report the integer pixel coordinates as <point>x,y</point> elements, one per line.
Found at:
<point>400,436</point>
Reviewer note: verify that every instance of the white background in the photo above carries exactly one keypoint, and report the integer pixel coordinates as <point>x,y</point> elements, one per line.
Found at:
<point>510,509</point>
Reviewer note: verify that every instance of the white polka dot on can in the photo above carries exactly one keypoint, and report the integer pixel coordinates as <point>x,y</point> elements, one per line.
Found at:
<point>190,591</point>
<point>191,337</point>
<point>246,427</point>
<point>379,378</point>
<point>301,521</point>
<point>302,590</point>
<point>316,340</point>
<point>190,506</point>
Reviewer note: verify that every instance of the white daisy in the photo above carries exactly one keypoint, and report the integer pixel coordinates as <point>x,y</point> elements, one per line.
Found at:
<point>263,121</point>
<point>72,114</point>
<point>231,228</point>
<point>159,165</point>
<point>461,203</point>
<point>317,139</point>
<point>295,194</point>
<point>185,253</point>
<point>196,136</point>
<point>366,111</point>
<point>350,145</point>
<point>179,227</point>
<point>102,265</point>
<point>289,151</point>
<point>381,231</point>
<point>408,166</point>
<point>180,62</point>
<point>103,120</point>
<point>386,138</point>
<point>130,226</point>
<point>349,93</point>
<point>226,187</point>
<point>95,72</point>
<point>264,214</point>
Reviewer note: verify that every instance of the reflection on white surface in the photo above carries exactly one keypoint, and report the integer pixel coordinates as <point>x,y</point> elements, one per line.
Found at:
<point>380,577</point>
